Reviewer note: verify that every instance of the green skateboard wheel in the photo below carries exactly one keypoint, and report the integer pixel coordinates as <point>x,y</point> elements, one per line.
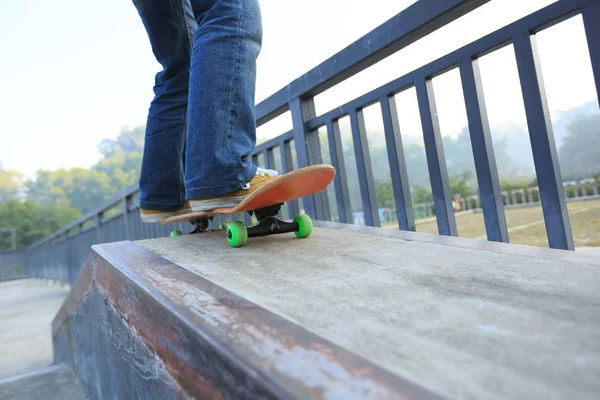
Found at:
<point>176,233</point>
<point>304,226</point>
<point>237,234</point>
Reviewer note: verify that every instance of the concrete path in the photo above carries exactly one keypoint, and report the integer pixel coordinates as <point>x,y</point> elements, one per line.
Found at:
<point>27,308</point>
<point>57,382</point>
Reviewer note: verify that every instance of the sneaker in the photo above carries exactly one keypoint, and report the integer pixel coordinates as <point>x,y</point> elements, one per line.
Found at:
<point>233,199</point>
<point>152,216</point>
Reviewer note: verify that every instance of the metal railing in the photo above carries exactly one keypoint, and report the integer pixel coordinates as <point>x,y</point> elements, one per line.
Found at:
<point>60,255</point>
<point>13,265</point>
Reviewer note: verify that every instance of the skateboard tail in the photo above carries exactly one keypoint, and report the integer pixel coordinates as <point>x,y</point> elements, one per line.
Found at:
<point>295,188</point>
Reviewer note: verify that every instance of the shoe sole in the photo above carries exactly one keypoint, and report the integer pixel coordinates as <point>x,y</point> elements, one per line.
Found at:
<point>211,204</point>
<point>153,218</point>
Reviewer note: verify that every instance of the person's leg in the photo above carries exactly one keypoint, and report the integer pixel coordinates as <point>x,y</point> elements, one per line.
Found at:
<point>221,132</point>
<point>170,25</point>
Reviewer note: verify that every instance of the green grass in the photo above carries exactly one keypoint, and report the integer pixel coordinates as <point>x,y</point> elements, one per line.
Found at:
<point>584,215</point>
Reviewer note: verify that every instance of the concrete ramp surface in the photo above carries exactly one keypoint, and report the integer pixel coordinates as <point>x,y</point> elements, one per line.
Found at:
<point>346,313</point>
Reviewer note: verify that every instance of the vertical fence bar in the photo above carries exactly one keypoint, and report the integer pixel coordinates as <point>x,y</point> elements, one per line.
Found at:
<point>436,162</point>
<point>398,171</point>
<point>316,157</point>
<point>269,159</point>
<point>302,111</point>
<point>552,195</point>
<point>591,23</point>
<point>125,204</point>
<point>483,152</point>
<point>99,227</point>
<point>287,163</point>
<point>364,168</point>
<point>336,151</point>
<point>245,216</point>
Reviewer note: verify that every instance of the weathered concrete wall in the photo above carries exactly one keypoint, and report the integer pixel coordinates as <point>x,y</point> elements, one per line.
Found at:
<point>138,326</point>
<point>110,355</point>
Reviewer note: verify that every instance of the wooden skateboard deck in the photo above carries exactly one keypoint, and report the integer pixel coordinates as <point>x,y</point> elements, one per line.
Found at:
<point>265,203</point>
<point>281,189</point>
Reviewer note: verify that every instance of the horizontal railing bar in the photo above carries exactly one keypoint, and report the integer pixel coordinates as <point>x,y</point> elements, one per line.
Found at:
<point>274,142</point>
<point>113,201</point>
<point>403,29</point>
<point>106,220</point>
<point>545,18</point>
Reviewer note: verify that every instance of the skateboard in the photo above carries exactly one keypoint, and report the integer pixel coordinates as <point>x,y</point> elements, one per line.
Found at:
<point>265,204</point>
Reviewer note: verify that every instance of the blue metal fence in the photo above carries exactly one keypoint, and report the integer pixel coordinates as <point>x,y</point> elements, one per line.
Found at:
<point>60,256</point>
<point>12,265</point>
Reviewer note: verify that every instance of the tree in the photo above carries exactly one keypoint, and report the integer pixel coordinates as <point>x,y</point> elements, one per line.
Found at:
<point>11,185</point>
<point>32,221</point>
<point>421,194</point>
<point>384,193</point>
<point>462,184</point>
<point>78,188</point>
<point>86,189</point>
<point>459,154</point>
<point>128,141</point>
<point>122,168</point>
<point>579,155</point>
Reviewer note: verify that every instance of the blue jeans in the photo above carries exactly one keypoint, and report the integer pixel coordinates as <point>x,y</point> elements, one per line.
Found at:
<point>201,126</point>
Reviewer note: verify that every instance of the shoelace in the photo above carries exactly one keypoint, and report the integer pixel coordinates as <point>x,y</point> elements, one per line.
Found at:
<point>262,172</point>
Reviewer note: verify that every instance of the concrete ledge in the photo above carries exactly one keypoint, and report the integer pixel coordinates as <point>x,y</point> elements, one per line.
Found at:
<point>139,326</point>
<point>537,253</point>
<point>466,319</point>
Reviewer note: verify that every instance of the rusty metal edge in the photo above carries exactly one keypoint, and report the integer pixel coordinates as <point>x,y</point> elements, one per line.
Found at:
<point>162,282</point>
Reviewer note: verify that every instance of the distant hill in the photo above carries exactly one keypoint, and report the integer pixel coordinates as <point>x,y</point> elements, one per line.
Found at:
<point>518,145</point>
<point>512,148</point>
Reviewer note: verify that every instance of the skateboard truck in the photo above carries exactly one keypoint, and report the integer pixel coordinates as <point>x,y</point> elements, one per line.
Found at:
<point>201,225</point>
<point>268,224</point>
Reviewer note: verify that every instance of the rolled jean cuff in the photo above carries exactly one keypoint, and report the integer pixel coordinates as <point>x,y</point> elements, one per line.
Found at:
<point>211,191</point>
<point>162,206</point>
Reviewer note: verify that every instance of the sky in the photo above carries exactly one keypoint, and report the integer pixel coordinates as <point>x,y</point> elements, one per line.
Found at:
<point>73,73</point>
